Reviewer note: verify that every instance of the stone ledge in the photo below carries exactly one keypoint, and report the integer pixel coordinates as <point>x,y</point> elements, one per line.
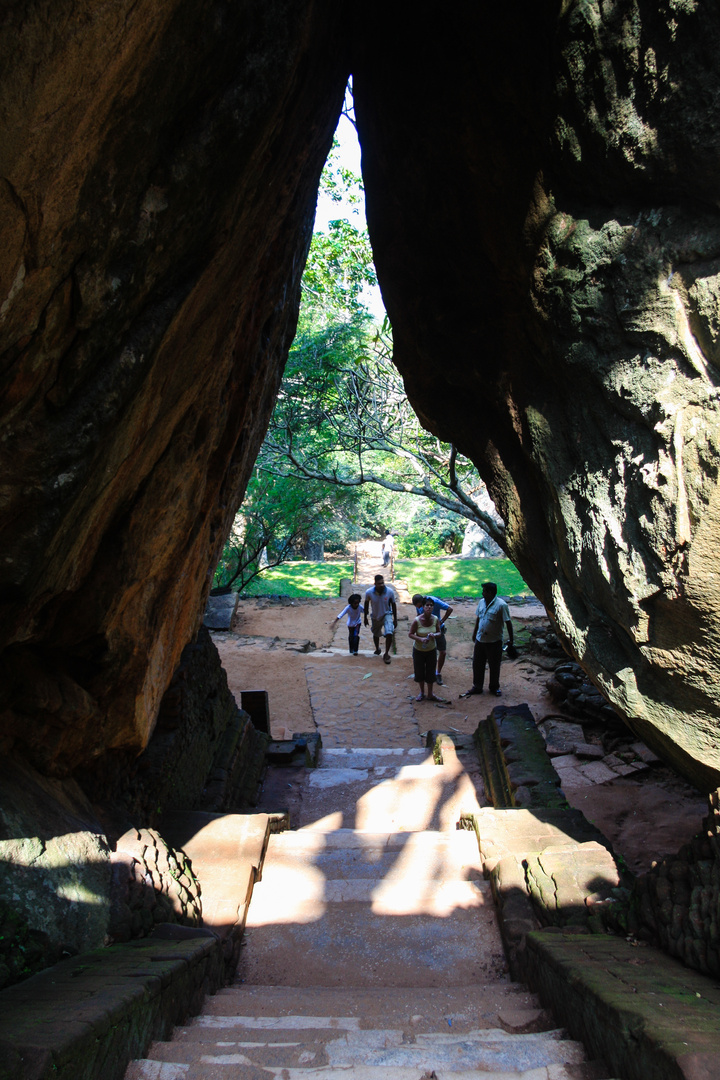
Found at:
<point>88,1016</point>
<point>643,1013</point>
<point>546,866</point>
<point>516,767</point>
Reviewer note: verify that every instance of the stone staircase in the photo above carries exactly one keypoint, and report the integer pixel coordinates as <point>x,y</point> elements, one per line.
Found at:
<point>373,953</point>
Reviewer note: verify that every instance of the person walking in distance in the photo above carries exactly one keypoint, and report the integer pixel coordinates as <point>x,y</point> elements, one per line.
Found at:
<point>424,631</point>
<point>442,612</point>
<point>492,615</point>
<point>354,616</point>
<point>384,614</point>
<point>387,548</point>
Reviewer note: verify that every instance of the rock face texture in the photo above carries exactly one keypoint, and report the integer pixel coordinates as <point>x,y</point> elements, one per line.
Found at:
<point>542,200</point>
<point>54,865</point>
<point>159,170</point>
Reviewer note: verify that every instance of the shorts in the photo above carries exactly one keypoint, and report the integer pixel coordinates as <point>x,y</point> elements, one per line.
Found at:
<point>384,626</point>
<point>424,665</point>
<point>441,641</point>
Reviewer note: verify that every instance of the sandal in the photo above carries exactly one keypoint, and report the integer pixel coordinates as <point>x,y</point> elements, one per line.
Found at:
<point>420,697</point>
<point>386,658</point>
<point>471,691</point>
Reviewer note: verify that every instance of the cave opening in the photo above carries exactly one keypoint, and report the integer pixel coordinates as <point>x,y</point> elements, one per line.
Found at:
<point>544,221</point>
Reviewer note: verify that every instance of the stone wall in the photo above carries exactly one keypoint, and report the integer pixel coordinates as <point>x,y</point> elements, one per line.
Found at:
<point>81,865</point>
<point>54,868</point>
<point>676,905</point>
<point>151,883</point>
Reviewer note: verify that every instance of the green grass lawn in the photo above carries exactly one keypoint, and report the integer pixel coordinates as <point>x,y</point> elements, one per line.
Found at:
<point>311,579</point>
<point>443,577</point>
<point>460,577</point>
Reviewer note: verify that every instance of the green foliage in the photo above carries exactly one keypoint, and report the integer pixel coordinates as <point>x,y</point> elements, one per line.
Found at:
<point>418,543</point>
<point>345,455</point>
<point>308,579</point>
<point>279,514</point>
<point>460,577</point>
<point>340,264</point>
<point>431,532</point>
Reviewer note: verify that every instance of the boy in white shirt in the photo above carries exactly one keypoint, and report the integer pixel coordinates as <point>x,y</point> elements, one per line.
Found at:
<point>354,618</point>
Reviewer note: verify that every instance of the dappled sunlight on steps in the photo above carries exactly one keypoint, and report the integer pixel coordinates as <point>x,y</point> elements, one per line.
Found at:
<point>373,952</point>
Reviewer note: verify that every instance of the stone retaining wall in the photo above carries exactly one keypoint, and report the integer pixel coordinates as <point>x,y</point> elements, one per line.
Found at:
<point>151,883</point>
<point>89,1016</point>
<point>63,887</point>
<point>676,905</point>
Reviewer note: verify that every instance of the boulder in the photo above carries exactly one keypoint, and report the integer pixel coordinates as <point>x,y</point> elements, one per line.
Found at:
<point>556,316</point>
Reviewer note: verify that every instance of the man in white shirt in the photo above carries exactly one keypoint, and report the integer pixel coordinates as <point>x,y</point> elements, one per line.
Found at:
<point>492,615</point>
<point>384,614</point>
<point>387,547</point>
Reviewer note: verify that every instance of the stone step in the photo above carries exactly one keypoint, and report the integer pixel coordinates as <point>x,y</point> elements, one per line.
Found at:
<point>348,853</point>
<point>358,757</point>
<point>407,798</point>
<point>387,897</point>
<point>347,1045</point>
<point>420,1009</point>
<point>211,1070</point>
<point>400,937</point>
<point>286,1033</point>
<point>318,839</point>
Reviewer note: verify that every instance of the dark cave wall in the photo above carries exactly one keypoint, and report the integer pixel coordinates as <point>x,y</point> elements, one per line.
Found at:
<point>551,273</point>
<point>159,174</point>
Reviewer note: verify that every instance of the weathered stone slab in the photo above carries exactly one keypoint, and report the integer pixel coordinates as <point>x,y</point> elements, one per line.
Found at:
<point>54,860</point>
<point>220,611</point>
<point>561,737</point>
<point>88,1016</point>
<point>226,851</point>
<point>589,750</point>
<point>643,1013</point>
<point>516,766</point>
<point>517,832</point>
<point>597,772</point>
<point>565,882</point>
<point>645,753</point>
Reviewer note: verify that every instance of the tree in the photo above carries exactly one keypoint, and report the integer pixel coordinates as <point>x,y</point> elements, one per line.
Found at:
<point>343,418</point>
<point>279,515</point>
<point>343,423</point>
<point>342,415</point>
